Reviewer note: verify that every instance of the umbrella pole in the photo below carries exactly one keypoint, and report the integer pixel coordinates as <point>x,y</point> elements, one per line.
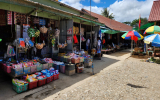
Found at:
<point>131,47</point>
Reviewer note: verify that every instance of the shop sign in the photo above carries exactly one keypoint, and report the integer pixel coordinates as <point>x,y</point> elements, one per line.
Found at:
<point>69,39</point>
<point>69,31</point>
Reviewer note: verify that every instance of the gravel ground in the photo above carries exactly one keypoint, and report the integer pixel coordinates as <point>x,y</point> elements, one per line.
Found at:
<point>130,79</point>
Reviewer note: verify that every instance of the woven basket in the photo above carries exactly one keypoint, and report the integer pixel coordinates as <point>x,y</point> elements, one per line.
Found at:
<point>43,30</point>
<point>40,46</point>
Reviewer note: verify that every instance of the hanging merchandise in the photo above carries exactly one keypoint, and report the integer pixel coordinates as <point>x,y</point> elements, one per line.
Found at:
<point>37,32</point>
<point>40,45</point>
<point>36,20</point>
<point>29,43</point>
<point>62,45</point>
<point>43,30</point>
<point>69,39</point>
<point>82,31</point>
<point>53,41</point>
<point>75,39</point>
<point>9,17</point>
<point>21,42</point>
<point>83,39</point>
<point>25,29</point>
<point>51,21</point>
<point>42,22</point>
<point>77,30</point>
<point>2,17</point>
<point>10,51</point>
<point>31,32</point>
<point>74,30</point>
<point>57,31</point>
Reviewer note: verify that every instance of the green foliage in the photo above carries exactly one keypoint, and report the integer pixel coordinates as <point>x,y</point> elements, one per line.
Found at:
<point>106,13</point>
<point>157,61</point>
<point>127,22</point>
<point>135,22</point>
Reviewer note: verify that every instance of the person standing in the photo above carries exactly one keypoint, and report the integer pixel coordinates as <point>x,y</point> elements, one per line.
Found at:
<point>104,41</point>
<point>88,44</point>
<point>99,47</point>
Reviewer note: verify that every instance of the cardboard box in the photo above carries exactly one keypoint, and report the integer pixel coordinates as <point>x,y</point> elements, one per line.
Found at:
<point>70,72</point>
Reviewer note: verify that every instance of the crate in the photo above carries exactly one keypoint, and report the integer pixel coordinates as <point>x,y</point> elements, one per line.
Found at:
<point>40,67</point>
<point>50,65</point>
<point>33,69</point>
<point>32,85</point>
<point>45,66</point>
<point>52,78</point>
<point>16,72</point>
<point>26,70</point>
<point>56,67</point>
<point>49,79</point>
<point>41,82</point>
<point>62,68</point>
<point>75,61</point>
<point>20,89</point>
<point>7,69</point>
<point>55,77</point>
<point>70,72</point>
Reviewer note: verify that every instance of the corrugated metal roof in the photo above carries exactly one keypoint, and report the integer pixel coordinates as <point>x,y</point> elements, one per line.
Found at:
<point>115,25</point>
<point>155,12</point>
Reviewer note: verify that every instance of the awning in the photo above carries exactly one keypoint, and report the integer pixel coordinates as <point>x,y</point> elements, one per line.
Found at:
<point>110,31</point>
<point>87,20</point>
<point>143,27</point>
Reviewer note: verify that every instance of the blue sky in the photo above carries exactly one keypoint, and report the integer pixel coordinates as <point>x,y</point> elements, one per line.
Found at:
<point>123,10</point>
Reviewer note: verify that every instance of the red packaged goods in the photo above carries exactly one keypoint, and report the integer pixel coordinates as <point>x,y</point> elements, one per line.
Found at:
<point>75,60</point>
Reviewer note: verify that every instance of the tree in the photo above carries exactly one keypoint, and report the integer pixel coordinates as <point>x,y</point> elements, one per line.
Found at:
<point>106,13</point>
<point>127,22</point>
<point>135,22</point>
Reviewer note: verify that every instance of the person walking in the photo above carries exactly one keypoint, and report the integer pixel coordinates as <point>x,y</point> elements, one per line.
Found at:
<point>88,44</point>
<point>99,47</point>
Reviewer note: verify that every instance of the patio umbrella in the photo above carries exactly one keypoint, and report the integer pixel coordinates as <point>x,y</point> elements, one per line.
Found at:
<point>132,35</point>
<point>153,30</point>
<point>154,39</point>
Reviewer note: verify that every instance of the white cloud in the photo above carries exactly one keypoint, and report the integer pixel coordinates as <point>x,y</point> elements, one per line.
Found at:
<point>124,10</point>
<point>128,10</point>
<point>96,1</point>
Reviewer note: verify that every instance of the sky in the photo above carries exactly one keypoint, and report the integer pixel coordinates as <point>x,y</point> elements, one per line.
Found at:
<point>123,10</point>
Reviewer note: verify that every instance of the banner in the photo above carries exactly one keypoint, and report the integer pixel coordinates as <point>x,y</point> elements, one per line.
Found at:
<point>69,31</point>
<point>69,39</point>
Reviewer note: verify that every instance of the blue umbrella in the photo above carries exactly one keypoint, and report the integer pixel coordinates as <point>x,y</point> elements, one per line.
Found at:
<point>154,39</point>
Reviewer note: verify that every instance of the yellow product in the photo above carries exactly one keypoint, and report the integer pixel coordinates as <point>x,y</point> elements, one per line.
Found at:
<point>74,30</point>
<point>77,30</point>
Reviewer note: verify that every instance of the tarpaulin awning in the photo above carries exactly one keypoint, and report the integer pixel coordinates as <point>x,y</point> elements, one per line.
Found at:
<point>143,27</point>
<point>110,31</point>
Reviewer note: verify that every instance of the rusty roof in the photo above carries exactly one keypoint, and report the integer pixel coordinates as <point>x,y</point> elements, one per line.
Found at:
<point>115,25</point>
<point>155,12</point>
